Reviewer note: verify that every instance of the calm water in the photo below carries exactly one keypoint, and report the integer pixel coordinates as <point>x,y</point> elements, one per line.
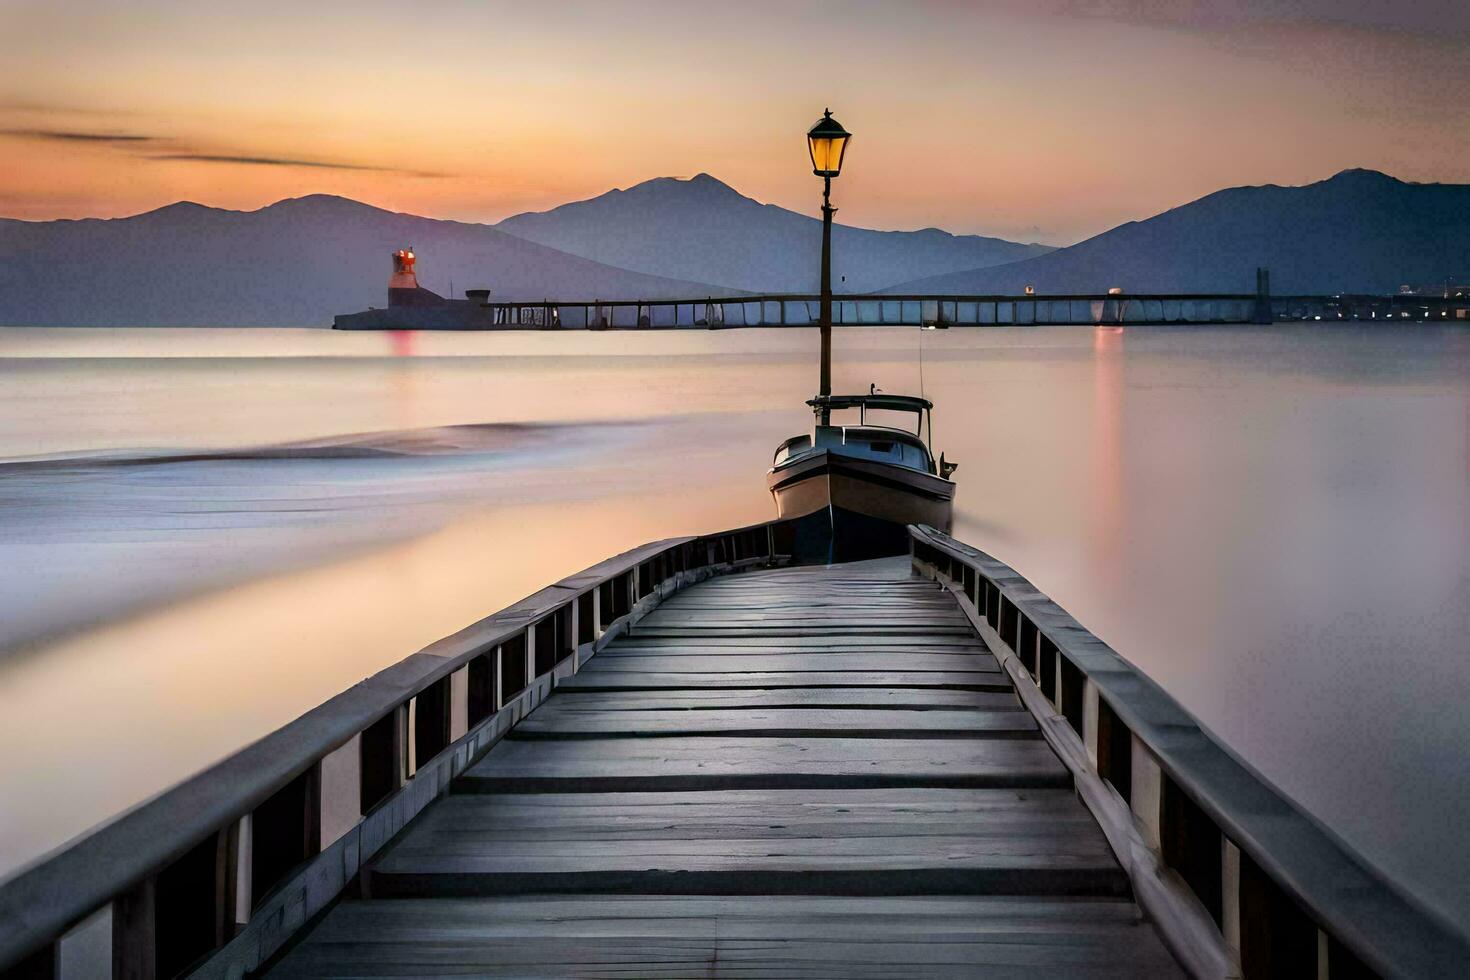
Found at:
<point>1272,522</point>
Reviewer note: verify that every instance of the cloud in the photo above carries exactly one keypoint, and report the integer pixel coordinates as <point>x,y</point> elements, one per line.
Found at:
<point>255,161</point>
<point>1431,18</point>
<point>149,147</point>
<point>1423,19</point>
<point>74,136</point>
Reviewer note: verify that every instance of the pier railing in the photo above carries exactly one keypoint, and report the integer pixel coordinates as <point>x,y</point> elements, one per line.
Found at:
<point>795,310</point>
<point>211,877</point>
<point>1288,898</point>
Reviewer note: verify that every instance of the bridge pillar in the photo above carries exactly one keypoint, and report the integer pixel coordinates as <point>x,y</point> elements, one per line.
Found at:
<point>1262,313</point>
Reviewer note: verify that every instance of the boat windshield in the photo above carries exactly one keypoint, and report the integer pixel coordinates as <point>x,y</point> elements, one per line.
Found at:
<point>882,443</point>
<point>794,446</point>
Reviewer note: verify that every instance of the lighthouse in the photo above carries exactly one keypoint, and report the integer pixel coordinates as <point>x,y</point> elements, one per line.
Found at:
<point>403,285</point>
<point>403,276</point>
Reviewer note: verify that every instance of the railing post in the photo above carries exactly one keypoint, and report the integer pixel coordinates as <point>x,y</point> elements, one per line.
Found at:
<point>341,790</point>
<point>530,654</point>
<point>497,680</point>
<point>574,632</point>
<point>84,950</point>
<point>1146,790</point>
<point>459,703</point>
<point>1089,719</point>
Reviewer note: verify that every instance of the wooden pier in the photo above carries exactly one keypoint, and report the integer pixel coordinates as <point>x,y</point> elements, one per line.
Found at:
<point>824,764</point>
<point>696,759</point>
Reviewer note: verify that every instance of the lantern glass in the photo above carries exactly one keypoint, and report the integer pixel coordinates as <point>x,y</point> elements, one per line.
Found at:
<point>827,143</point>
<point>827,154</point>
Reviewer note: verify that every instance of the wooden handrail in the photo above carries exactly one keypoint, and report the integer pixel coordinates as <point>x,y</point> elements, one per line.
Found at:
<point>1289,876</point>
<point>182,847</point>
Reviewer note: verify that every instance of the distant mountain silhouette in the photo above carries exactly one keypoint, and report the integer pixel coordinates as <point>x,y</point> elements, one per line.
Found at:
<point>296,262</point>
<point>705,230</point>
<point>1359,231</point>
<point>300,261</point>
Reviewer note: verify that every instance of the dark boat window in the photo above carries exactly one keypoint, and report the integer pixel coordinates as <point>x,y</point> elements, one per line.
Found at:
<point>881,447</point>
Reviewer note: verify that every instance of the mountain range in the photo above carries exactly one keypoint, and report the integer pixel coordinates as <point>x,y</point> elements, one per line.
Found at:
<point>295,263</point>
<point>703,229</point>
<point>300,261</point>
<point>1357,232</point>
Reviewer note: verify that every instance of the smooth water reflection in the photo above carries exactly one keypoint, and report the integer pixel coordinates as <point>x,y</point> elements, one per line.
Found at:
<point>1272,522</point>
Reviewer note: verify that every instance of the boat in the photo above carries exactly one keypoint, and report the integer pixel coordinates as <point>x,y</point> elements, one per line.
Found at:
<point>852,490</point>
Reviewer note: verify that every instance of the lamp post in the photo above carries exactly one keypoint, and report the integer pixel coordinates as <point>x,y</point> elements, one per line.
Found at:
<point>827,142</point>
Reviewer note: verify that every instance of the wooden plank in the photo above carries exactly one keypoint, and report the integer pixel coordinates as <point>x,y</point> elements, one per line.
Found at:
<point>855,598</point>
<point>795,605</point>
<point>736,662</point>
<point>578,699</point>
<point>821,640</point>
<point>711,762</point>
<point>755,815</point>
<point>830,636</point>
<point>651,679</point>
<point>703,600</point>
<point>788,842</point>
<point>892,656</point>
<point>806,611</point>
<point>775,626</point>
<point>551,722</point>
<point>794,937</point>
<point>775,629</point>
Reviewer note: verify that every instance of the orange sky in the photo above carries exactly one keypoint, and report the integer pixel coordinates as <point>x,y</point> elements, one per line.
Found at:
<point>1045,120</point>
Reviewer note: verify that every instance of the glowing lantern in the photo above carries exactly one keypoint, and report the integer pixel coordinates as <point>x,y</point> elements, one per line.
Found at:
<point>827,141</point>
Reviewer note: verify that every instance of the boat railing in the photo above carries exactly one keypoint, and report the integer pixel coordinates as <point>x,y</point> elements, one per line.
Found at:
<point>1287,897</point>
<point>211,877</point>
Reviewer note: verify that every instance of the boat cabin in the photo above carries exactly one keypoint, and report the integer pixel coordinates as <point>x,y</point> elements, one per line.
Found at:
<point>892,444</point>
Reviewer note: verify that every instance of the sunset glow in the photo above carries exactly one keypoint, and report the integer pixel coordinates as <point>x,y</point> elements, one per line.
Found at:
<point>1047,121</point>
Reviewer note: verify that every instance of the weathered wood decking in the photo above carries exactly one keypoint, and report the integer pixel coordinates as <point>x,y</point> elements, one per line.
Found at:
<point>792,772</point>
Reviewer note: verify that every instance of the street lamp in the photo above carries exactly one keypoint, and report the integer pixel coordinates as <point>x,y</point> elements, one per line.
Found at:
<point>827,142</point>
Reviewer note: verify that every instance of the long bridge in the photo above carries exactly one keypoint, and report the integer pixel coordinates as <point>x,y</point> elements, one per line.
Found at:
<point>698,759</point>
<point>939,311</point>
